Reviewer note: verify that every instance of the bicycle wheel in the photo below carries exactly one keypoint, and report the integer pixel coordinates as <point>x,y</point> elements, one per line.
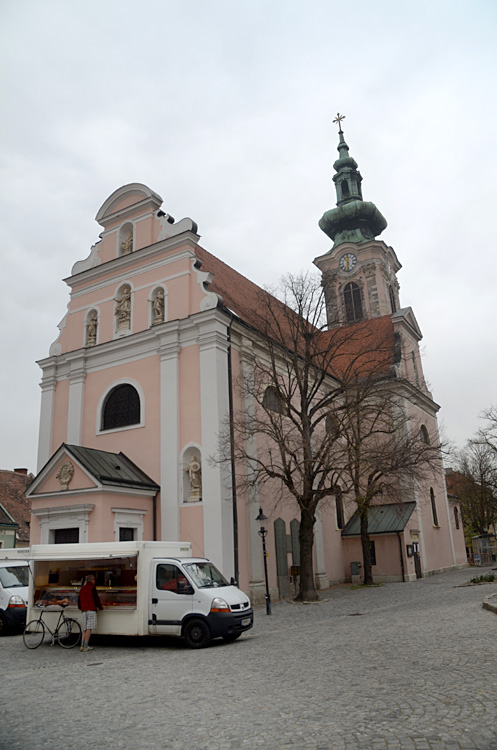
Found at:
<point>69,633</point>
<point>34,633</point>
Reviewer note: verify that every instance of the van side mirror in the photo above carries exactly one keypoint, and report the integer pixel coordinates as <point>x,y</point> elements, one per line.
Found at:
<point>232,581</point>
<point>187,589</point>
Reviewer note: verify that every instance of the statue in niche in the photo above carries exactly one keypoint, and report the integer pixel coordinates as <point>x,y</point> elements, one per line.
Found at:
<point>123,310</point>
<point>91,329</point>
<point>65,474</point>
<point>127,244</point>
<point>158,307</point>
<point>195,473</point>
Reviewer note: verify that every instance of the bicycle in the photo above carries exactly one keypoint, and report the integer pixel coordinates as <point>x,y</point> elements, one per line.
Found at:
<point>67,631</point>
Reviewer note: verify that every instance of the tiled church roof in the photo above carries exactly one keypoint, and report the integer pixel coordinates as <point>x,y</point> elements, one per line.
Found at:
<point>366,346</point>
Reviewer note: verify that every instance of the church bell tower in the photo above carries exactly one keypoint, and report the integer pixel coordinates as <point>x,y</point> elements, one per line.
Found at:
<point>359,272</point>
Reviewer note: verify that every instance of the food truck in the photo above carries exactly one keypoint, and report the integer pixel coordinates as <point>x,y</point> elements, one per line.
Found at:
<point>146,588</point>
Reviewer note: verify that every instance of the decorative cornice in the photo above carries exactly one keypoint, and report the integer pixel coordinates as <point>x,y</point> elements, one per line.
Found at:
<point>117,266</point>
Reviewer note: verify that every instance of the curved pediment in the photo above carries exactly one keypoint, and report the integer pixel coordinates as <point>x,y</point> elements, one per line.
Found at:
<point>128,196</point>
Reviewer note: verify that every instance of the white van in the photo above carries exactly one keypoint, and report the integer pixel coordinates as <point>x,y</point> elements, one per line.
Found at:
<point>14,578</point>
<point>146,588</point>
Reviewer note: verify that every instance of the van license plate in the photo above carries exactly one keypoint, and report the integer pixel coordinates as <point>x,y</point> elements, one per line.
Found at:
<point>245,622</point>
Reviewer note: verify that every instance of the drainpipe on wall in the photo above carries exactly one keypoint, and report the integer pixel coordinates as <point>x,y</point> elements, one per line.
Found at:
<point>154,517</point>
<point>232,456</point>
<point>401,558</point>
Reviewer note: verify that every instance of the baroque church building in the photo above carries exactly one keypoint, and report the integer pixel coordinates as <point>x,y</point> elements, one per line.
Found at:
<point>138,384</point>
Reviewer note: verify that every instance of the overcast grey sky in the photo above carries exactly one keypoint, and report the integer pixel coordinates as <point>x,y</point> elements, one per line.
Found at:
<point>225,108</point>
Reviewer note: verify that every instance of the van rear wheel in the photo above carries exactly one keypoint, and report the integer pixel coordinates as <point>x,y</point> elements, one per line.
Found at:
<point>197,634</point>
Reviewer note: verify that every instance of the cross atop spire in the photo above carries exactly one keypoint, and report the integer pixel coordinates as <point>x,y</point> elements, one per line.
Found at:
<point>339,119</point>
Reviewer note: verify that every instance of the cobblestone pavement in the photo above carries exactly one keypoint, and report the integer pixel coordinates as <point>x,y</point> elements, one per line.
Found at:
<point>396,667</point>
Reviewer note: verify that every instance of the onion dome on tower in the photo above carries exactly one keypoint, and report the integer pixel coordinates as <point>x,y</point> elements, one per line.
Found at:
<point>353,220</point>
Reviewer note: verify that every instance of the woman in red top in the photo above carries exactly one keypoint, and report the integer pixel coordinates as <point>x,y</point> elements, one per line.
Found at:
<point>88,603</point>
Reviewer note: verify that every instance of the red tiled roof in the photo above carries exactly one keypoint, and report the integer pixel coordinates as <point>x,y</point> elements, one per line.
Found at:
<point>365,347</point>
<point>13,499</point>
<point>239,294</point>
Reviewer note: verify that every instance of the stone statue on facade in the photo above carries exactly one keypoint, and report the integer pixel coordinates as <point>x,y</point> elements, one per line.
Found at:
<point>123,310</point>
<point>91,329</point>
<point>158,308</point>
<point>65,474</point>
<point>195,473</point>
<point>127,244</point>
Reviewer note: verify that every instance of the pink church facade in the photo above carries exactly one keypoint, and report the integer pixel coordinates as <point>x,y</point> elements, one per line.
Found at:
<point>136,389</point>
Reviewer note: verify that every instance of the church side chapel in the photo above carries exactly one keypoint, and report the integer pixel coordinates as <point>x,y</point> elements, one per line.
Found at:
<point>137,386</point>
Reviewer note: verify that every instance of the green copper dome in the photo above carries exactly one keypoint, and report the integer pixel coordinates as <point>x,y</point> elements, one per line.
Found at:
<point>353,220</point>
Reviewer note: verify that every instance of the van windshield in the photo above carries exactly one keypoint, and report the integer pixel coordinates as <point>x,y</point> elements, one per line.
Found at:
<point>14,577</point>
<point>205,575</point>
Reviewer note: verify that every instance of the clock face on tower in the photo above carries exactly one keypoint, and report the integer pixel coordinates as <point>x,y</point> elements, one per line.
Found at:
<point>347,262</point>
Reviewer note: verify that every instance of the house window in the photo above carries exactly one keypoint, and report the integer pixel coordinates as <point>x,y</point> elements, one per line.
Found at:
<point>126,535</point>
<point>128,524</point>
<point>456,516</point>
<point>121,408</point>
<point>66,536</point>
<point>353,302</point>
<point>433,507</point>
<point>272,400</point>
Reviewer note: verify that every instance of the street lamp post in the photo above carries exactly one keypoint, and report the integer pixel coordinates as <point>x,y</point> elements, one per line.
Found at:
<point>261,518</point>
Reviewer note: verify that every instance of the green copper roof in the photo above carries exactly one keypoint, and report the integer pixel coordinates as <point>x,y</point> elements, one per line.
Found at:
<point>353,220</point>
<point>382,519</point>
<point>114,469</point>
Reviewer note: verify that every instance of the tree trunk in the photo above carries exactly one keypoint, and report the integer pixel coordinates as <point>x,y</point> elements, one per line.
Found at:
<point>366,552</point>
<point>307,587</point>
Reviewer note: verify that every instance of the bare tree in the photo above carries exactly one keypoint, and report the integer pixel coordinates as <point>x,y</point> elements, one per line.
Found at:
<point>488,433</point>
<point>327,412</point>
<point>475,484</point>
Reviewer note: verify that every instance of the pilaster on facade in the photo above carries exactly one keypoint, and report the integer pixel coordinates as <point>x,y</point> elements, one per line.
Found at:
<point>372,287</point>
<point>48,384</point>
<point>77,377</point>
<point>247,358</point>
<point>168,350</point>
<point>329,283</point>
<point>216,479</point>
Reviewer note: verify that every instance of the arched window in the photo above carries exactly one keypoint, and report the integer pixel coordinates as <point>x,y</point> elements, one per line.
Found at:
<point>393,304</point>
<point>345,188</point>
<point>121,408</point>
<point>272,400</point>
<point>339,508</point>
<point>433,507</point>
<point>332,426</point>
<point>423,435</point>
<point>456,516</point>
<point>353,302</point>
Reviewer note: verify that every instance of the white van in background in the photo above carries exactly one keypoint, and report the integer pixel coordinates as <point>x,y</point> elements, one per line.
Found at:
<point>14,581</point>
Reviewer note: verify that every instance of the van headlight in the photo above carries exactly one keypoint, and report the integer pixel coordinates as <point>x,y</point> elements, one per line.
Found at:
<point>16,601</point>
<point>219,605</point>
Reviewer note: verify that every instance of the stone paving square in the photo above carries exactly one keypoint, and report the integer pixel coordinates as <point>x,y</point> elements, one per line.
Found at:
<point>395,667</point>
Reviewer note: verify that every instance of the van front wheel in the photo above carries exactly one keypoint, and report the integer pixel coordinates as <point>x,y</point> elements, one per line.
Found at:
<point>197,634</point>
